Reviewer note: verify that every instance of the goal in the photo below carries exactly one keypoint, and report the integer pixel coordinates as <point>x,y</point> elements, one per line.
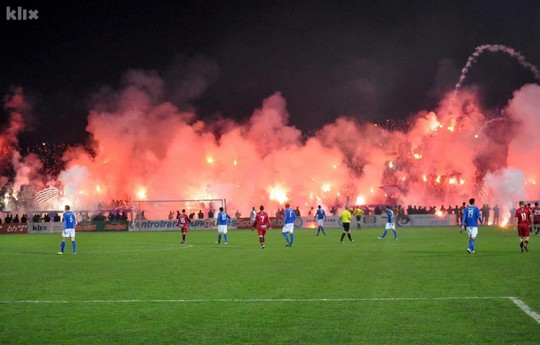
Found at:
<point>168,209</point>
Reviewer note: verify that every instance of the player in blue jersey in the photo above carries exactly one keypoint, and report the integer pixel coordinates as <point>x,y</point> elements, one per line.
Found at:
<point>320,216</point>
<point>223,220</point>
<point>69,230</point>
<point>471,218</point>
<point>390,223</point>
<point>289,217</point>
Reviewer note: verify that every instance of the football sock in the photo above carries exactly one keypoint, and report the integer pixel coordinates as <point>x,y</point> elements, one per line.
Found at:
<point>225,237</point>
<point>349,236</point>
<point>261,239</point>
<point>322,229</point>
<point>62,246</point>
<point>526,245</point>
<point>521,245</point>
<point>74,245</point>
<point>284,234</point>
<point>292,239</point>
<point>471,244</point>
<point>183,237</point>
<point>342,237</point>
<point>219,238</point>
<point>395,233</point>
<point>384,234</point>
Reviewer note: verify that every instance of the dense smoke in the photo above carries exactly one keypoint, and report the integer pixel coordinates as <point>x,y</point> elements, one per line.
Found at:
<point>25,169</point>
<point>145,148</point>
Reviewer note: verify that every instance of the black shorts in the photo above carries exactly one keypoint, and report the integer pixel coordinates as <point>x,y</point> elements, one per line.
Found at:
<point>358,218</point>
<point>346,227</point>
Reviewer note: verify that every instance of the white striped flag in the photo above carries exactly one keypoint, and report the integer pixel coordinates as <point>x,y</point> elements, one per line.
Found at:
<point>46,194</point>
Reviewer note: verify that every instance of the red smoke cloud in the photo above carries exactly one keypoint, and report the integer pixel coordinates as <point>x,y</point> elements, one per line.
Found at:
<point>26,169</point>
<point>145,148</point>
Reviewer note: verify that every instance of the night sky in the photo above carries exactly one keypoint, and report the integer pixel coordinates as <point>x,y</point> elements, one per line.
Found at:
<point>370,60</point>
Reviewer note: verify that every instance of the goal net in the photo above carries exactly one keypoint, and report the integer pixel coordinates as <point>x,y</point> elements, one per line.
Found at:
<point>169,209</point>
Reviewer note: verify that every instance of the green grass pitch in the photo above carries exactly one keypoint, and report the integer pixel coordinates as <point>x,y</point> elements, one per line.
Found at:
<point>146,288</point>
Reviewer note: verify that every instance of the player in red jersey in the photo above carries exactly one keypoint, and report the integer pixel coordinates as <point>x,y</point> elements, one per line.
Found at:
<point>536,218</point>
<point>262,223</point>
<point>523,221</point>
<point>183,223</point>
<point>460,216</point>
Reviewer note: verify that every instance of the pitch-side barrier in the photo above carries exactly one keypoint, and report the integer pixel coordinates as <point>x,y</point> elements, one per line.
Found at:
<point>417,220</point>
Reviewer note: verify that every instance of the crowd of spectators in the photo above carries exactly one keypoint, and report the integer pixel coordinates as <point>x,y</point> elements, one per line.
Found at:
<point>393,124</point>
<point>105,216</point>
<point>50,154</point>
<point>456,210</point>
<point>51,157</point>
<point>192,215</point>
<point>489,214</point>
<point>36,218</point>
<point>487,211</point>
<point>56,217</point>
<point>120,203</point>
<point>427,210</point>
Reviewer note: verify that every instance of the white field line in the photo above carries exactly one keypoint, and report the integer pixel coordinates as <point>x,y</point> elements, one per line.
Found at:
<point>258,300</point>
<point>525,308</point>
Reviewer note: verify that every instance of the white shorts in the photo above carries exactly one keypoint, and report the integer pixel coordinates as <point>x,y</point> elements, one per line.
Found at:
<point>320,222</point>
<point>222,229</point>
<point>68,233</point>
<point>390,226</point>
<point>472,231</point>
<point>289,227</point>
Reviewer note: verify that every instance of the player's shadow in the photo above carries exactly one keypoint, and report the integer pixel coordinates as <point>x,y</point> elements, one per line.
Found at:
<point>40,253</point>
<point>496,253</point>
<point>435,253</point>
<point>459,253</point>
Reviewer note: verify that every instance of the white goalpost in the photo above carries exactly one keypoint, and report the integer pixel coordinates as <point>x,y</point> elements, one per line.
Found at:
<point>168,209</point>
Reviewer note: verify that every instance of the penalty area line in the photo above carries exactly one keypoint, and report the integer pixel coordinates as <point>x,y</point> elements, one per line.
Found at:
<point>517,301</point>
<point>525,308</point>
<point>258,300</point>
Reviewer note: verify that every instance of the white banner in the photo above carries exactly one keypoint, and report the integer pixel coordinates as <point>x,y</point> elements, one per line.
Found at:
<point>427,220</point>
<point>379,221</point>
<point>335,222</point>
<point>44,228</point>
<point>170,225</point>
<point>300,223</point>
